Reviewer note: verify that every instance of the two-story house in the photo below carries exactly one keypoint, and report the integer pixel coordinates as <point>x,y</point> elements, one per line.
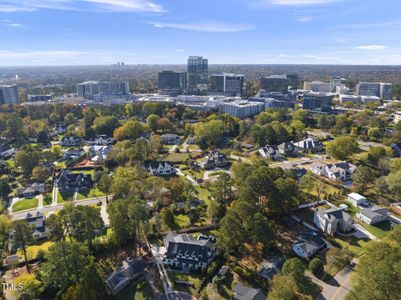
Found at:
<point>159,168</point>
<point>332,220</point>
<point>186,253</point>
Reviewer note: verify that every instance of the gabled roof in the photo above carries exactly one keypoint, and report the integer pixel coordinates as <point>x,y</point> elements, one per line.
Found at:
<point>337,213</point>
<point>310,242</point>
<point>374,212</point>
<point>243,292</point>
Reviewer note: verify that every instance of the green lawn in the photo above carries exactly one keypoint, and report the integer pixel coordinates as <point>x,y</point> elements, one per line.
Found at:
<point>140,291</point>
<point>181,220</point>
<point>196,281</point>
<point>87,194</point>
<point>32,251</point>
<point>11,163</point>
<point>203,194</point>
<point>25,204</point>
<point>379,230</point>
<point>176,157</point>
<point>90,172</point>
<point>354,244</point>
<point>65,196</point>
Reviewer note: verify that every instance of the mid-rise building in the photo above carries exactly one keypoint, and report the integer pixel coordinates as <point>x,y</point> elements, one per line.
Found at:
<point>386,91</point>
<point>9,94</point>
<point>317,86</point>
<point>317,101</point>
<point>227,84</point>
<point>275,83</point>
<point>382,90</point>
<point>89,89</point>
<point>293,81</point>
<point>198,73</point>
<point>242,108</point>
<point>335,82</point>
<point>172,83</point>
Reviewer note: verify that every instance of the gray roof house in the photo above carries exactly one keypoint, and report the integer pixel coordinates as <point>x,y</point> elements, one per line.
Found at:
<point>32,190</point>
<point>185,252</point>
<point>339,171</point>
<point>270,152</point>
<point>373,215</point>
<point>242,292</point>
<point>332,220</point>
<point>68,181</point>
<point>215,159</point>
<point>310,145</point>
<point>129,271</point>
<point>170,139</point>
<point>306,245</point>
<point>287,148</point>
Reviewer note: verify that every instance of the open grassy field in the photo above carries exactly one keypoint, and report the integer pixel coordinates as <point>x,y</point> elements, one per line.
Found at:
<point>355,245</point>
<point>194,279</point>
<point>32,251</point>
<point>25,204</point>
<point>181,220</point>
<point>379,230</point>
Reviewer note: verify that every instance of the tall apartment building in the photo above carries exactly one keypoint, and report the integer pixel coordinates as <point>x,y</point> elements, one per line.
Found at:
<point>242,108</point>
<point>9,94</point>
<point>275,83</point>
<point>172,83</point>
<point>198,72</point>
<point>337,81</point>
<point>378,89</point>
<point>227,84</point>
<point>89,89</point>
<point>317,86</point>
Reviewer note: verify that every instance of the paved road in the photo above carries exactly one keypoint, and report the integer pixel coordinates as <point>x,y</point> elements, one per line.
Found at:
<point>338,287</point>
<point>53,208</point>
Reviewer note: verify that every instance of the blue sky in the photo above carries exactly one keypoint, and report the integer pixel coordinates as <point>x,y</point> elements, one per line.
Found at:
<point>66,32</point>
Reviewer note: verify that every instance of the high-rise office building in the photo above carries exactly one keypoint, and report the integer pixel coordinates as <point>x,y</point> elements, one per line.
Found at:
<point>89,89</point>
<point>172,83</point>
<point>227,84</point>
<point>293,81</point>
<point>198,72</point>
<point>9,94</point>
<point>275,83</point>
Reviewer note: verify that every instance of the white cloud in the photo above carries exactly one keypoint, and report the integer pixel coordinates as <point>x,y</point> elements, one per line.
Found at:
<point>371,47</point>
<point>5,54</point>
<point>305,19</point>
<point>14,25</point>
<point>207,26</point>
<point>9,6</point>
<point>294,2</point>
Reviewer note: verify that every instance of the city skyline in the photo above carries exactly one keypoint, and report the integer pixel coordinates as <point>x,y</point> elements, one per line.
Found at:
<point>95,32</point>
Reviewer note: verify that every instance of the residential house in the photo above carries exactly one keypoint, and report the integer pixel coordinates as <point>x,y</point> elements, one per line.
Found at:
<point>271,267</point>
<point>32,190</point>
<point>61,129</point>
<point>159,168</point>
<point>287,149</point>
<point>103,140</point>
<point>185,252</point>
<point>215,159</point>
<point>37,221</point>
<point>73,154</point>
<point>373,215</point>
<point>340,171</point>
<point>68,181</point>
<point>306,245</point>
<point>356,199</point>
<point>71,141</point>
<point>98,154</point>
<point>332,220</point>
<point>130,270</point>
<point>242,292</point>
<point>270,152</point>
<point>310,145</point>
<point>170,139</point>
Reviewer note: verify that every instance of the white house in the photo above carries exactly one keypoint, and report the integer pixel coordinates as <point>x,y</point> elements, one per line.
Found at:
<point>356,199</point>
<point>160,168</point>
<point>332,220</point>
<point>373,215</point>
<point>339,171</point>
<point>270,152</point>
